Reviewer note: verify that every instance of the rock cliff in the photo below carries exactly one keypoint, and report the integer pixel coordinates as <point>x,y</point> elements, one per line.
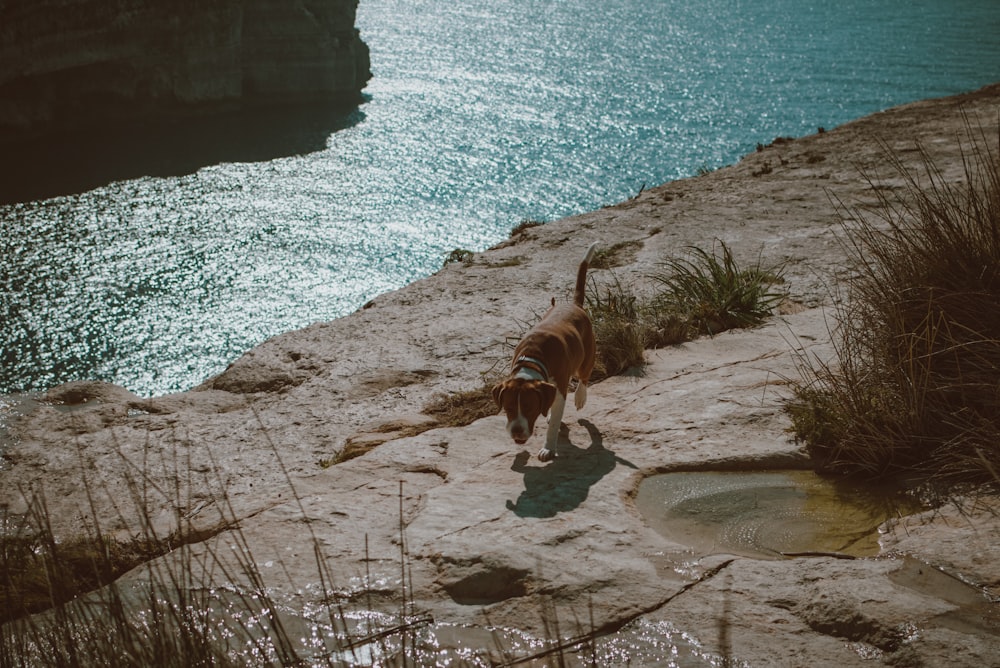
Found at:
<point>69,64</point>
<point>500,545</point>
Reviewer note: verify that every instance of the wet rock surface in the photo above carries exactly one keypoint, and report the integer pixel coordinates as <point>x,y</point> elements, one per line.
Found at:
<point>487,531</point>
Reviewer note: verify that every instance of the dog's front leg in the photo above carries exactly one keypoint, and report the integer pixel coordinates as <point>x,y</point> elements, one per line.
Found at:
<point>580,396</point>
<point>555,423</point>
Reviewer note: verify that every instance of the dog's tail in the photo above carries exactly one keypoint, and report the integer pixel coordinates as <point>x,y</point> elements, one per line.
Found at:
<point>581,276</point>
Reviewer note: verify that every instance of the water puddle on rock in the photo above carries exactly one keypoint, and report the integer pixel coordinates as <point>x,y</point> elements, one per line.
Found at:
<point>769,514</point>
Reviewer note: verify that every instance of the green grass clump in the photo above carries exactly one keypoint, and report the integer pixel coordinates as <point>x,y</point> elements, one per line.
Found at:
<point>914,387</point>
<point>714,293</point>
<point>704,293</point>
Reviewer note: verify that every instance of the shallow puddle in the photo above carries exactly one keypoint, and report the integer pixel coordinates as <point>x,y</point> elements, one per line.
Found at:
<point>769,514</point>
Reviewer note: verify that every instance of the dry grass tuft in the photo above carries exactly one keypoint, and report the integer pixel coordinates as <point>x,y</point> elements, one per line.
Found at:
<point>616,255</point>
<point>524,226</point>
<point>40,572</point>
<point>914,388</point>
<point>192,599</point>
<point>459,409</point>
<point>619,329</point>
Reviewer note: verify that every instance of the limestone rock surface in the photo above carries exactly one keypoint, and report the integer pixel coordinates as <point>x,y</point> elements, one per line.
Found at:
<point>487,532</point>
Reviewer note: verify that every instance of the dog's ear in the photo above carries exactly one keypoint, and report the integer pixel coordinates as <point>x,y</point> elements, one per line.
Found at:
<point>547,391</point>
<point>498,394</point>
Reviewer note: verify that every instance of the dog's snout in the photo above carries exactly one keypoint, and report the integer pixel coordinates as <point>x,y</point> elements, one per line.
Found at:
<point>519,430</point>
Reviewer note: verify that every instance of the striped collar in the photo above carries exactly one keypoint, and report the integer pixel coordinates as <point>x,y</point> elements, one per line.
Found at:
<point>531,368</point>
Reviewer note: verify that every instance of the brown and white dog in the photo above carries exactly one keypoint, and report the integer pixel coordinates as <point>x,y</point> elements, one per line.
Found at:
<point>560,347</point>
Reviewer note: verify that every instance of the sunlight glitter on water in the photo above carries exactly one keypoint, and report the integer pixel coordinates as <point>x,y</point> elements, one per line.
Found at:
<point>479,115</point>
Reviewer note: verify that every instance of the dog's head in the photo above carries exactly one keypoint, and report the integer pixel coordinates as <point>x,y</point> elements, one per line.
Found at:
<point>523,400</point>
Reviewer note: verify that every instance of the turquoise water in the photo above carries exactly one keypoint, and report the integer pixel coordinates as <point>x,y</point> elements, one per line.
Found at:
<point>480,114</point>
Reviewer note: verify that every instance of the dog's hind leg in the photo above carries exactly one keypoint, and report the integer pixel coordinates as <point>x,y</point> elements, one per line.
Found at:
<point>555,423</point>
<point>580,395</point>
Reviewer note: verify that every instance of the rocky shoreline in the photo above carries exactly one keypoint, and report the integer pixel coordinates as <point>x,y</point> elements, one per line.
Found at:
<point>488,531</point>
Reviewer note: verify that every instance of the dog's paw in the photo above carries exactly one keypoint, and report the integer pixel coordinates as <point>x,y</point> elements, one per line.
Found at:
<point>580,396</point>
<point>545,455</point>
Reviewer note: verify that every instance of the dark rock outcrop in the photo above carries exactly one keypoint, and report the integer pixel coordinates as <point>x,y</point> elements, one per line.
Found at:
<point>75,64</point>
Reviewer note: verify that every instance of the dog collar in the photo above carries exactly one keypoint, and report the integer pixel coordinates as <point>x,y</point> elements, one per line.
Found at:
<point>531,367</point>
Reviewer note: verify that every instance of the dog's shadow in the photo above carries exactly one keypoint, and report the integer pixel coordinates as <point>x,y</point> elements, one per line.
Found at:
<point>563,484</point>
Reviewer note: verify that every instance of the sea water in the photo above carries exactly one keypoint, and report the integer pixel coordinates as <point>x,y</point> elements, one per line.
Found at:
<point>480,114</point>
